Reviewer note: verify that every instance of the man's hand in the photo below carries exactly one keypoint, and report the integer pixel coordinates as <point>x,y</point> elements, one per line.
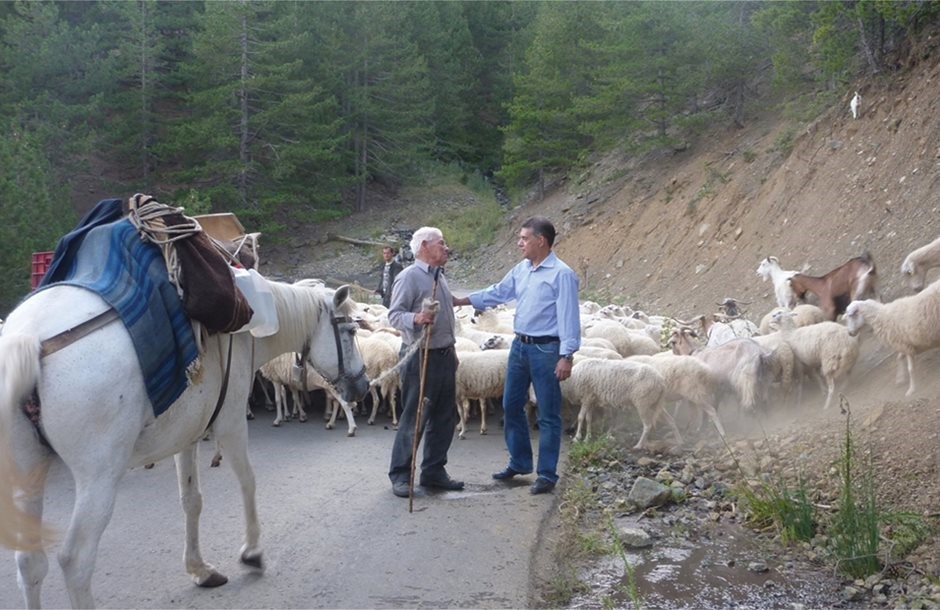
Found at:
<point>563,369</point>
<point>424,317</point>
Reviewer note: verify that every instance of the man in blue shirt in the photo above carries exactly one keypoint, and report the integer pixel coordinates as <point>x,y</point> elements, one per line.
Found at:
<point>548,333</point>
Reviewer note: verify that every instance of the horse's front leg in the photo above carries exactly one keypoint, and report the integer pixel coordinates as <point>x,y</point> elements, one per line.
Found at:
<point>202,573</point>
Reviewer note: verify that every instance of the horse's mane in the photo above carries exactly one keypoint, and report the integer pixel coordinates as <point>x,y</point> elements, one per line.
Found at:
<point>301,304</point>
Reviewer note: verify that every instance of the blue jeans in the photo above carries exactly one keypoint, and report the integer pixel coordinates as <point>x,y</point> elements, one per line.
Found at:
<point>535,364</point>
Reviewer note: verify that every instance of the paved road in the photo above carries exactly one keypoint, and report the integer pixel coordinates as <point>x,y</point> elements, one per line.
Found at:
<point>333,533</point>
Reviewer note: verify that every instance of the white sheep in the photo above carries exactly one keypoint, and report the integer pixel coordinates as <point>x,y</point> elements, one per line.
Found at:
<point>909,325</point>
<point>493,320</point>
<point>480,376</point>
<point>590,351</point>
<point>614,384</point>
<point>463,344</point>
<point>380,357</point>
<point>803,315</point>
<point>627,343</point>
<point>281,372</point>
<point>918,262</point>
<point>688,379</point>
<point>825,349</point>
<point>769,268</point>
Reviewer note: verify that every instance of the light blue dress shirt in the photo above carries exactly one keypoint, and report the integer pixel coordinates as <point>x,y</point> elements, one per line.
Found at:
<point>546,300</point>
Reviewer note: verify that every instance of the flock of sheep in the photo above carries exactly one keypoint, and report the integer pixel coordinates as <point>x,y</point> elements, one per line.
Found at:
<point>629,358</point>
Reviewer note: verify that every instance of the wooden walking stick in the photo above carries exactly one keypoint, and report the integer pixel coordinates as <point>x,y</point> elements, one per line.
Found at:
<point>421,399</point>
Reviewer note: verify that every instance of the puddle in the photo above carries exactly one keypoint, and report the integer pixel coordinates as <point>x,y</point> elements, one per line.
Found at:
<point>721,567</point>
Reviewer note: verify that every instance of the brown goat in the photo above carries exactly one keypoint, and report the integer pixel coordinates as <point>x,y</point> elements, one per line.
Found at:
<point>851,281</point>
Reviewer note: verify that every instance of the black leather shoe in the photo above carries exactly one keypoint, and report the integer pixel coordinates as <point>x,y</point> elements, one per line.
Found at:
<point>401,489</point>
<point>541,486</point>
<point>444,482</point>
<point>508,473</point>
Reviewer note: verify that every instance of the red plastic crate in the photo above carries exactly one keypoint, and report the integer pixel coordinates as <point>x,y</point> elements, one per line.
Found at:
<point>41,262</point>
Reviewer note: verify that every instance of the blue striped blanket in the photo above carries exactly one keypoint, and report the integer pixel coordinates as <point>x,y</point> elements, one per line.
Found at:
<point>130,274</point>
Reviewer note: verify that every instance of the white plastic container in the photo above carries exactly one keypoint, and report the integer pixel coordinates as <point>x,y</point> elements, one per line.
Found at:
<point>263,321</point>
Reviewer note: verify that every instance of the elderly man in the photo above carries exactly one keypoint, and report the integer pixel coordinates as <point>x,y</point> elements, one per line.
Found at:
<point>407,312</point>
<point>548,330</point>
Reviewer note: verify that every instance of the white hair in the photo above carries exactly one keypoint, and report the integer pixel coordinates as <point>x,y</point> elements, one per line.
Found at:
<point>421,235</point>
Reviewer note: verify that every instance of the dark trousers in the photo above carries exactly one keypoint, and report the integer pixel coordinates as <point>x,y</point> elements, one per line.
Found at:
<point>438,417</point>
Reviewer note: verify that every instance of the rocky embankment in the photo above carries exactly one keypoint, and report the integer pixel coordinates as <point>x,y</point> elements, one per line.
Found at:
<point>681,524</point>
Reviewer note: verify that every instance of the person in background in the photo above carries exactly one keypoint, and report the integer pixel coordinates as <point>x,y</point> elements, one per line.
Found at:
<point>548,329</point>
<point>419,281</point>
<point>389,272</point>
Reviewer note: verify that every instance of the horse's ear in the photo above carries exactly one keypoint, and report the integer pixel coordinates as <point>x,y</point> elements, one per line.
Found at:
<point>340,296</point>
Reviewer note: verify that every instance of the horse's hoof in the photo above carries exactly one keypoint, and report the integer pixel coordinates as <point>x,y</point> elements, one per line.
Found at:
<point>329,426</point>
<point>149,466</point>
<point>303,419</point>
<point>213,580</point>
<point>371,422</point>
<point>276,424</point>
<point>251,416</point>
<point>215,462</point>
<point>351,433</point>
<point>482,432</point>
<point>254,561</point>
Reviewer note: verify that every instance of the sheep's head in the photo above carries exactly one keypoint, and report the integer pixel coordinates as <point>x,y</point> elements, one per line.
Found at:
<point>915,276</point>
<point>494,342</point>
<point>854,320</point>
<point>782,319</point>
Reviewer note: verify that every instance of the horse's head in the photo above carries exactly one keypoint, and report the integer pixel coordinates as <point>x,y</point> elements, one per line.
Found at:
<point>332,351</point>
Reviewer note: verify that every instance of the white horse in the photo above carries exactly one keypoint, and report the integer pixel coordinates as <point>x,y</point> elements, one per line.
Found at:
<point>96,416</point>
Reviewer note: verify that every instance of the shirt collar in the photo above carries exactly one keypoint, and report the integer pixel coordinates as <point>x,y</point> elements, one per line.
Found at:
<point>548,261</point>
<point>424,265</point>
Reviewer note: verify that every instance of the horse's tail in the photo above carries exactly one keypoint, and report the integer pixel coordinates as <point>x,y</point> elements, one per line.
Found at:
<point>19,374</point>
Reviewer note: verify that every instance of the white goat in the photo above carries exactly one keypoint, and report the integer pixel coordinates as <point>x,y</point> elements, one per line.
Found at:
<point>918,262</point>
<point>854,104</point>
<point>613,384</point>
<point>769,268</point>
<point>825,349</point>
<point>909,325</point>
<point>720,333</point>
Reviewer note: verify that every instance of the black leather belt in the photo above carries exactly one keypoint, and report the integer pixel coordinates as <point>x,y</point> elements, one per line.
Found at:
<point>441,350</point>
<point>537,340</point>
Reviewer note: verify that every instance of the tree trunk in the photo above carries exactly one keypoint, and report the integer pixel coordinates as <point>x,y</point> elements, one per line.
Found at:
<point>243,156</point>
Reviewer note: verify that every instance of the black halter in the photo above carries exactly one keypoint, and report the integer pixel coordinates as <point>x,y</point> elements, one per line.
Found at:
<point>341,374</point>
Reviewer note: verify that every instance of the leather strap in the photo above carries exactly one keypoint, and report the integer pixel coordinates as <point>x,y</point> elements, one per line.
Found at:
<point>224,389</point>
<point>70,336</point>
